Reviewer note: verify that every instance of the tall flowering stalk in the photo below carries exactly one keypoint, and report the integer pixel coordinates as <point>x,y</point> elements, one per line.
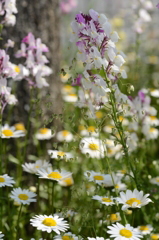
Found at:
<point>102,63</point>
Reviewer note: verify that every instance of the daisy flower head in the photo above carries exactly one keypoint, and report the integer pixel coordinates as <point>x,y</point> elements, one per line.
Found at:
<point>49,223</point>
<point>133,199</point>
<point>59,154</point>
<point>11,132</point>
<point>20,126</point>
<point>44,134</point>
<point>154,236</point>
<point>145,229</point>
<point>1,235</point>
<point>94,147</point>
<point>90,131</point>
<point>71,97</point>
<point>66,236</point>
<point>64,136</point>
<point>55,175</point>
<point>66,182</point>
<point>120,232</point>
<point>35,167</point>
<point>155,180</point>
<point>5,180</point>
<point>108,201</point>
<point>114,217</point>
<point>23,196</point>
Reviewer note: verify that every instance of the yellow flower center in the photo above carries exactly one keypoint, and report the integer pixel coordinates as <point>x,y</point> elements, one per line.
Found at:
<point>99,114</point>
<point>19,126</point>
<point>2,179</point>
<point>132,200</point>
<point>55,175</point>
<point>153,118</point>
<point>37,166</point>
<point>110,150</point>
<point>157,179</point>
<point>81,127</point>
<point>61,154</point>
<point>68,181</point>
<point>143,228</point>
<point>98,177</point>
<point>152,129</point>
<point>91,129</point>
<point>17,69</point>
<point>43,130</point>
<point>93,146</point>
<point>23,196</point>
<point>125,233</point>
<point>116,186</point>
<point>113,217</point>
<point>65,133</point>
<point>50,222</point>
<point>121,118</point>
<point>68,88</point>
<point>106,200</point>
<point>7,133</point>
<point>72,95</point>
<point>154,237</point>
<point>67,238</point>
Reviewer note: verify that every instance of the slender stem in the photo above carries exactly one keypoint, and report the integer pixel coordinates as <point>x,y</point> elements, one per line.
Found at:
<point>53,187</point>
<point>17,228</point>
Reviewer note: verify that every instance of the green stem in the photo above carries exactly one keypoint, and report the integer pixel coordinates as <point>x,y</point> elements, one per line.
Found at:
<point>52,206</point>
<point>17,228</point>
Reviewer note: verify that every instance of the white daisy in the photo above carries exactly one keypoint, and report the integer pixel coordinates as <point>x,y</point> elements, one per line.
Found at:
<point>114,217</point>
<point>144,230</point>
<point>5,180</point>
<point>120,232</point>
<point>66,182</point>
<point>59,154</point>
<point>64,136</point>
<point>20,126</point>
<point>66,236</point>
<point>23,196</point>
<point>108,201</point>
<point>66,89</point>
<point>94,147</point>
<point>150,132</point>
<point>154,236</point>
<point>155,180</point>
<point>152,120</point>
<point>108,128</point>
<point>154,92</point>
<point>11,132</point>
<point>105,179</point>
<point>1,235</point>
<point>133,199</point>
<point>35,167</point>
<point>44,133</point>
<point>49,223</point>
<point>71,97</point>
<point>90,131</point>
<point>51,174</point>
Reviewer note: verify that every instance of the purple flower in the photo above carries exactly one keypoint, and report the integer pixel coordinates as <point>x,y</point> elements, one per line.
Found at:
<point>157,5</point>
<point>77,81</point>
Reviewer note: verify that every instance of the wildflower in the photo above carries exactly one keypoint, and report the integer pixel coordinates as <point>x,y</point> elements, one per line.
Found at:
<point>120,232</point>
<point>44,133</point>
<point>59,154</point>
<point>20,126</point>
<point>97,238</point>
<point>147,229</point>
<point>94,147</point>
<point>51,174</point>
<point>66,182</point>
<point>35,167</point>
<point>64,136</point>
<point>1,235</point>
<point>154,236</point>
<point>11,132</point>
<point>150,132</point>
<point>71,97</point>
<point>114,217</point>
<point>5,180</point>
<point>155,180</point>
<point>23,196</point>
<point>49,223</point>
<point>157,5</point>
<point>90,131</point>
<point>66,236</point>
<point>133,199</point>
<point>108,201</point>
